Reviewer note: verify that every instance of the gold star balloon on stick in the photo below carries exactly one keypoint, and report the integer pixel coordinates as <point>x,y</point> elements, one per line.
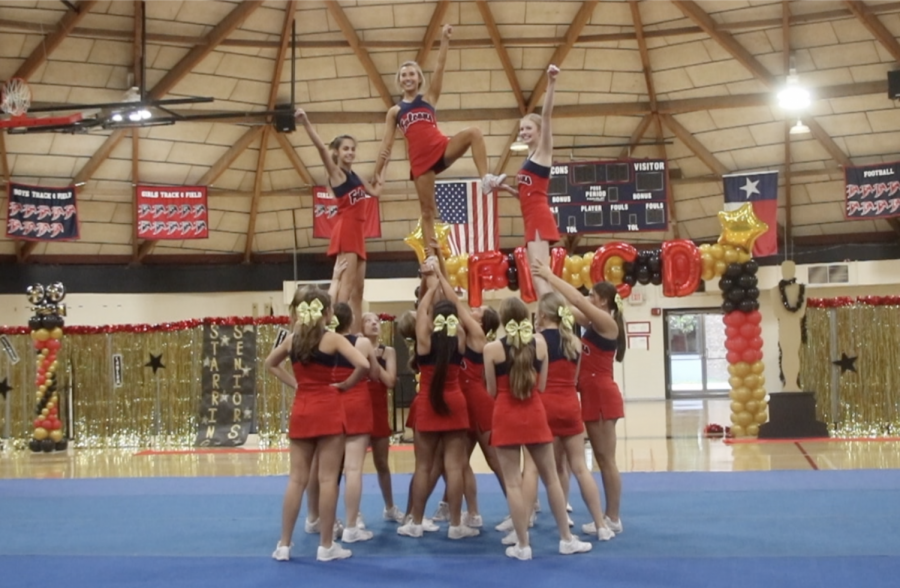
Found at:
<point>741,228</point>
<point>416,240</point>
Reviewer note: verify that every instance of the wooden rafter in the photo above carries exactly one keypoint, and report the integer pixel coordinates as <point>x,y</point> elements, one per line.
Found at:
<point>301,169</point>
<point>186,40</point>
<point>209,42</point>
<point>694,145</point>
<point>654,107</point>
<point>637,135</point>
<point>578,22</point>
<point>488,17</point>
<point>878,30</point>
<point>53,39</point>
<point>337,13</point>
<point>257,188</point>
<point>788,180</point>
<point>264,140</point>
<point>227,158</point>
<point>433,31</point>
<point>745,58</point>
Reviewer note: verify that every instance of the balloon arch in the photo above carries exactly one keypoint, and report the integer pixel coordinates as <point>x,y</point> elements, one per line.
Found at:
<point>678,266</point>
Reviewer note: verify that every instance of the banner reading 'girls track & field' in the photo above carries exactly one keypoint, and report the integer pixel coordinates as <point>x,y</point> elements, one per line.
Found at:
<point>35,213</point>
<point>166,212</point>
<point>872,191</point>
<point>325,211</point>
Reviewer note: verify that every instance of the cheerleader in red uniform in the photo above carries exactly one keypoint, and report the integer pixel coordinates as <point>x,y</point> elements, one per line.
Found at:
<point>601,400</point>
<point>348,240</point>
<point>441,413</point>
<point>560,398</point>
<point>317,417</point>
<point>357,406</point>
<point>381,427</point>
<point>533,180</point>
<point>481,324</point>
<point>430,151</point>
<point>515,369</point>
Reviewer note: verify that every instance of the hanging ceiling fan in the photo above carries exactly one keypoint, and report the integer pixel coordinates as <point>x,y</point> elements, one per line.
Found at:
<point>135,110</point>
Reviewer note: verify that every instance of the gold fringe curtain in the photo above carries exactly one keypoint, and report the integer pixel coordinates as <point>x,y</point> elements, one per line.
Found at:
<point>149,410</point>
<point>868,400</point>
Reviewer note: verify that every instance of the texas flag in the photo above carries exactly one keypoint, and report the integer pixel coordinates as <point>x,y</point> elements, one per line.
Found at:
<point>761,191</point>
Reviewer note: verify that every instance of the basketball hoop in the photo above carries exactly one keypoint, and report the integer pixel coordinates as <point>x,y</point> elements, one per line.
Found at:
<point>16,97</point>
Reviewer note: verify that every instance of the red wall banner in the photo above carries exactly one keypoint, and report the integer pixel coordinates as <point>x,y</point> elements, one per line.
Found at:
<point>166,212</point>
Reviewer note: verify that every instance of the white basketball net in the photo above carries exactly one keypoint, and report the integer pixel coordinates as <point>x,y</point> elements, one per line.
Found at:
<point>16,97</point>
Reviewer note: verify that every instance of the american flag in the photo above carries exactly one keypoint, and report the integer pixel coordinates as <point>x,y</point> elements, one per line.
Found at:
<point>472,216</point>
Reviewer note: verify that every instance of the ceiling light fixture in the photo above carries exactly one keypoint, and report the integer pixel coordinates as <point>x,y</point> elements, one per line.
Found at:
<point>799,128</point>
<point>793,96</point>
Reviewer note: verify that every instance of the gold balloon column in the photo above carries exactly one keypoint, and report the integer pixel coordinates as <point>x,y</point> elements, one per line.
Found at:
<point>740,305</point>
<point>47,332</point>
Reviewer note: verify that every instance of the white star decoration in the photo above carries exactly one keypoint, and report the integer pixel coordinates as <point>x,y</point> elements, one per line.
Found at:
<point>206,362</point>
<point>225,340</point>
<point>223,398</point>
<point>750,188</point>
<point>246,371</point>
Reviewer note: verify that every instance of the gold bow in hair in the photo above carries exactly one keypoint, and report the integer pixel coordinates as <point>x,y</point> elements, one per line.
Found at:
<point>491,335</point>
<point>309,313</point>
<point>333,324</point>
<point>619,303</point>
<point>520,333</point>
<point>566,318</point>
<point>448,322</point>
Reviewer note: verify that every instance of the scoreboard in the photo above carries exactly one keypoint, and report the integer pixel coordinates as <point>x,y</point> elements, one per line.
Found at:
<point>609,196</point>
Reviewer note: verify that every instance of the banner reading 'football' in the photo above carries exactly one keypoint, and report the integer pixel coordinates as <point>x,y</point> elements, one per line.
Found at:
<point>41,214</point>
<point>172,212</point>
<point>872,191</point>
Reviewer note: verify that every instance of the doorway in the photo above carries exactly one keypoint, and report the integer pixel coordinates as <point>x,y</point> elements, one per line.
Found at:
<point>695,354</point>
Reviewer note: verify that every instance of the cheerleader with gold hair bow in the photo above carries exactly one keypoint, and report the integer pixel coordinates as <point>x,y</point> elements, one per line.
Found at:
<point>317,417</point>
<point>441,414</point>
<point>515,370</point>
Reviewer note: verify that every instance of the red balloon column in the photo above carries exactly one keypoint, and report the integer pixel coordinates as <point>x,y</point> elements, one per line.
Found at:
<point>47,332</point>
<point>743,340</point>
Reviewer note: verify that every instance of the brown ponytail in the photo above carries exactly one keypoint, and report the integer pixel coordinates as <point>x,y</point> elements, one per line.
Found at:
<point>607,291</point>
<point>519,358</point>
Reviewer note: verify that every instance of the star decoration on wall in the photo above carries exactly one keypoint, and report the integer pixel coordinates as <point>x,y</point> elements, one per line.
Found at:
<point>846,363</point>
<point>206,362</point>
<point>5,388</point>
<point>225,340</point>
<point>750,188</point>
<point>246,371</point>
<point>155,363</point>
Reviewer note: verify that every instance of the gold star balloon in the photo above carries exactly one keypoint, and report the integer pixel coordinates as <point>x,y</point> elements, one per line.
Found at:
<point>416,240</point>
<point>741,227</point>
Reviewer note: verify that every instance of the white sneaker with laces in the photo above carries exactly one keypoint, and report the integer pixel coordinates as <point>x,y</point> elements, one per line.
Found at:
<point>442,513</point>
<point>516,552</point>
<point>571,522</point>
<point>573,545</point>
<point>429,526</point>
<point>472,520</point>
<point>510,539</point>
<point>506,525</point>
<point>605,534</point>
<point>354,534</point>
<point>614,526</point>
<point>410,529</point>
<point>589,528</point>
<point>282,552</point>
<point>462,532</point>
<point>360,522</point>
<point>392,514</point>
<point>338,528</point>
<point>333,552</point>
<point>569,508</point>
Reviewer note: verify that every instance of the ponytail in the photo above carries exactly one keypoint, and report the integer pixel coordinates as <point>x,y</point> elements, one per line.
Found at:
<point>310,322</point>
<point>520,353</point>
<point>553,308</point>
<point>444,344</point>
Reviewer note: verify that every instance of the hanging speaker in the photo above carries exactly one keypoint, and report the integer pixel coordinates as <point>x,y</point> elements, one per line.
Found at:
<point>894,84</point>
<point>284,120</point>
